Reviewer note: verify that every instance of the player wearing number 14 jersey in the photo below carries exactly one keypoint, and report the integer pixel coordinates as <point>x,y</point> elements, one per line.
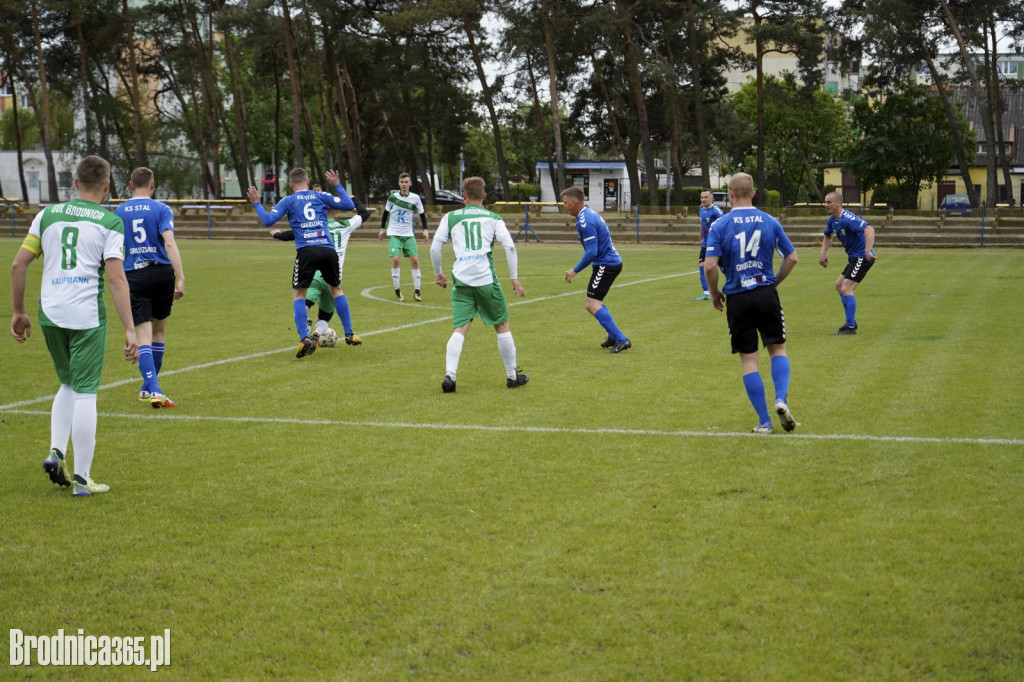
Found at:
<point>476,291</point>
<point>743,243</point>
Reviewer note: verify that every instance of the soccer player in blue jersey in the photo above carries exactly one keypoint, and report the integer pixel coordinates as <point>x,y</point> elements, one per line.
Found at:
<point>314,250</point>
<point>709,213</point>
<point>599,252</point>
<point>743,243</point>
<point>156,279</point>
<point>318,293</point>
<point>859,239</point>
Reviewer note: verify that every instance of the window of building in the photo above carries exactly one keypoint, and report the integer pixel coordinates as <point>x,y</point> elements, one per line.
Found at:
<point>1007,148</point>
<point>1007,67</point>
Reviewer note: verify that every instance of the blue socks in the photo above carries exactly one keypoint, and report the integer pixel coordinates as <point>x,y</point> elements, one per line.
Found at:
<point>158,356</point>
<point>148,370</point>
<point>703,280</point>
<point>780,377</point>
<point>300,317</point>
<point>341,305</point>
<point>850,307</point>
<point>605,318</point>
<point>755,392</point>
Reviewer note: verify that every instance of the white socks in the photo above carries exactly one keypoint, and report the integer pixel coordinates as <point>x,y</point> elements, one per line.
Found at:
<point>507,348</point>
<point>60,418</point>
<point>74,416</point>
<point>396,277</point>
<point>416,280</point>
<point>451,365</point>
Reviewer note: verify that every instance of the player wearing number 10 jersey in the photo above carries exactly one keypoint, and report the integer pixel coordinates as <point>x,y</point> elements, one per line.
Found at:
<point>743,243</point>
<point>476,291</point>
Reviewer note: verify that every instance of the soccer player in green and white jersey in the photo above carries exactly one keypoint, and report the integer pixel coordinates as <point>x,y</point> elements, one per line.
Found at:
<point>398,222</point>
<point>78,240</point>
<point>476,290</point>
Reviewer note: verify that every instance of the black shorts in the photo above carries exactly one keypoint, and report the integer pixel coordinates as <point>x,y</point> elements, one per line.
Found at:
<point>752,312</point>
<point>857,268</point>
<point>703,252</point>
<point>601,278</point>
<point>152,292</point>
<point>309,259</point>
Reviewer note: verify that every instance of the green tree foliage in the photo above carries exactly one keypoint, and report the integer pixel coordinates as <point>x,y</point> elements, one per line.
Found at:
<point>905,142</point>
<point>804,127</point>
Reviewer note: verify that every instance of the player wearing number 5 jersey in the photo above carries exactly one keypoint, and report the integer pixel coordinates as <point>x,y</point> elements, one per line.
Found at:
<point>314,250</point>
<point>152,263</point>
<point>743,243</point>
<point>78,240</point>
<point>475,288</point>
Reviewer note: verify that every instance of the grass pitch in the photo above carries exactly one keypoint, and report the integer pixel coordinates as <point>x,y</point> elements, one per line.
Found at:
<point>339,517</point>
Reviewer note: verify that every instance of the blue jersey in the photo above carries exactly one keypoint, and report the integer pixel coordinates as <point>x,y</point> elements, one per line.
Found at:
<point>850,230</point>
<point>596,239</point>
<point>745,242</point>
<point>307,215</point>
<point>145,220</point>
<point>708,216</point>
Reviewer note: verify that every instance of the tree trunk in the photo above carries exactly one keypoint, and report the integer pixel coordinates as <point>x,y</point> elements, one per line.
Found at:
<point>636,83</point>
<point>997,106</point>
<point>544,134</point>
<point>556,119</point>
<point>83,70</point>
<point>698,96</point>
<point>489,103</point>
<point>133,71</point>
<point>241,118</point>
<point>983,104</point>
<point>293,72</point>
<point>45,118</point>
<point>954,129</point>
<point>760,193</point>
<point>19,144</point>
<point>355,163</point>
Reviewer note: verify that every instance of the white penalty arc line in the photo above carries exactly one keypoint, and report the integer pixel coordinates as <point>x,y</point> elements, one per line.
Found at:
<point>164,414</point>
<point>251,356</point>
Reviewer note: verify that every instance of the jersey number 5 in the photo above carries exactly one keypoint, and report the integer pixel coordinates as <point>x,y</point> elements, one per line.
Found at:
<point>751,248</point>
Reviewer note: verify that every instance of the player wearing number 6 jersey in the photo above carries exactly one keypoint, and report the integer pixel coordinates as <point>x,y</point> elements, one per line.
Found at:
<point>314,250</point>
<point>743,243</point>
<point>151,264</point>
<point>78,240</point>
<point>475,288</point>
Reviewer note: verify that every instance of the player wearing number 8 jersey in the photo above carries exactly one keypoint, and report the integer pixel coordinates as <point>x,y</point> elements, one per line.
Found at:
<point>314,250</point>
<point>743,243</point>
<point>78,240</point>
<point>476,290</point>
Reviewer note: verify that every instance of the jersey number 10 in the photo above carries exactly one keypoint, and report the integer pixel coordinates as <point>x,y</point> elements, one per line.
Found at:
<point>474,238</point>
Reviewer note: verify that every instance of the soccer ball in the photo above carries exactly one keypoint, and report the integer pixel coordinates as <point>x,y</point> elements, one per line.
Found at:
<point>328,339</point>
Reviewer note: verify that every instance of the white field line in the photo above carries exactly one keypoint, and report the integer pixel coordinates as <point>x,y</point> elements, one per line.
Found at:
<point>166,414</point>
<point>122,382</point>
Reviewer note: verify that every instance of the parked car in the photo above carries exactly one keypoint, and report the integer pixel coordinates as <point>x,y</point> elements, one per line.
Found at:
<point>721,199</point>
<point>445,197</point>
<point>955,204</point>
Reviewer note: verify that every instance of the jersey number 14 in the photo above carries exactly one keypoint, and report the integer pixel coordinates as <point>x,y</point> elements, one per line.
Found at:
<point>751,248</point>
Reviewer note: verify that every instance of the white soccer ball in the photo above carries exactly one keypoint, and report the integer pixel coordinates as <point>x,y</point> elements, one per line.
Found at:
<point>328,339</point>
